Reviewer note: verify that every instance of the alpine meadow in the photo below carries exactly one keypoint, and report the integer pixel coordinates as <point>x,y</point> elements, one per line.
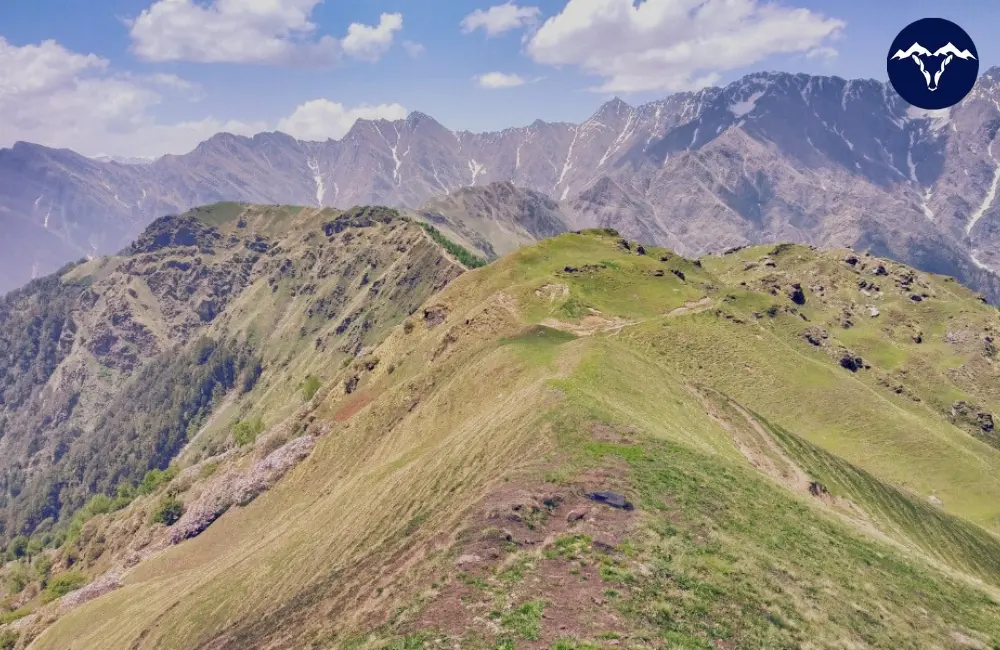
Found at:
<point>319,429</point>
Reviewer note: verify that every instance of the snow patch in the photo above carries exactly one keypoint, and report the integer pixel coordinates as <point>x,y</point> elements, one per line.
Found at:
<point>476,169</point>
<point>517,155</point>
<point>656,126</point>
<point>739,109</point>
<point>619,140</point>
<point>909,160</point>
<point>806,90</point>
<point>938,119</point>
<point>318,178</point>
<point>568,164</point>
<point>975,260</point>
<point>438,179</point>
<point>991,195</point>
<point>694,138</point>
<point>926,208</point>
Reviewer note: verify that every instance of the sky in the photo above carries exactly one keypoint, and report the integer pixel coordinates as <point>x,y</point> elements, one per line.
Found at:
<point>149,77</point>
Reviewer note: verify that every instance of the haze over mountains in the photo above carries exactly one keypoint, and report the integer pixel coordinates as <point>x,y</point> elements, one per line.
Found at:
<point>773,156</point>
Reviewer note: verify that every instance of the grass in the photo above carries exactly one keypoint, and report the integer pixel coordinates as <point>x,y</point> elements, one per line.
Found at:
<point>491,397</point>
<point>947,538</point>
<point>525,621</point>
<point>310,385</point>
<point>461,254</point>
<point>246,431</point>
<point>63,584</point>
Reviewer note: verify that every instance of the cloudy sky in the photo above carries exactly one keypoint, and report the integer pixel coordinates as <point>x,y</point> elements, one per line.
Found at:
<point>147,77</point>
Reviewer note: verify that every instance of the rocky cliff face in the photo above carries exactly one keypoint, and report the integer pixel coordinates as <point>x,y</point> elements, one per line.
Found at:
<point>773,156</point>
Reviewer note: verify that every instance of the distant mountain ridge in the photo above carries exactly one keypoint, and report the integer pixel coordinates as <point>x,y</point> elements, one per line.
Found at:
<point>773,156</point>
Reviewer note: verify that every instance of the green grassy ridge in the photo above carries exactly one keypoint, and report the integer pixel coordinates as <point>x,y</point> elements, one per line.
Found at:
<point>730,554</point>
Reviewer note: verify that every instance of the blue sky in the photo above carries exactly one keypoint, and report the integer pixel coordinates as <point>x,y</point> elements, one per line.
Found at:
<point>144,77</point>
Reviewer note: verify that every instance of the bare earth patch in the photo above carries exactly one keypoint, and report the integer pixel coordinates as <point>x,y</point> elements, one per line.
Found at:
<point>552,292</point>
<point>533,544</point>
<point>594,323</point>
<point>692,306</point>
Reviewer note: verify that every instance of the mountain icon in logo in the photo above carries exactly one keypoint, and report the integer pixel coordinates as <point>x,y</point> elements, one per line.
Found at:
<point>921,56</point>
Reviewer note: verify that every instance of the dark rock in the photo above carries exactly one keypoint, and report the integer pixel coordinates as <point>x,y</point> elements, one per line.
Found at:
<point>351,384</point>
<point>679,274</point>
<point>880,270</point>
<point>434,316</point>
<point>658,273</point>
<point>817,489</point>
<point>640,250</point>
<point>816,336</point>
<point>258,245</point>
<point>916,298</point>
<point>851,362</point>
<point>851,259</point>
<point>207,310</point>
<point>796,295</point>
<point>570,269</point>
<point>623,243</point>
<point>612,499</point>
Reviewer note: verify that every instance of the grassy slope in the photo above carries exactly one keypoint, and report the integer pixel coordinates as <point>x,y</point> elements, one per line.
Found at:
<point>723,552</point>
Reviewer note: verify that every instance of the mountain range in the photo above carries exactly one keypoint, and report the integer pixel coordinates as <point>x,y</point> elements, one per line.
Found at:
<point>772,156</point>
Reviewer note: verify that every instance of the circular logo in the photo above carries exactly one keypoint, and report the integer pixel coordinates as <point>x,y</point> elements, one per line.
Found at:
<point>933,63</point>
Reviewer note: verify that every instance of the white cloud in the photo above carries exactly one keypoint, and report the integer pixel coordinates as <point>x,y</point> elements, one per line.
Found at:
<point>413,49</point>
<point>673,45</point>
<point>824,52</point>
<point>277,32</point>
<point>59,98</point>
<point>321,119</point>
<point>370,43</point>
<point>499,80</point>
<point>500,18</point>
<point>240,31</point>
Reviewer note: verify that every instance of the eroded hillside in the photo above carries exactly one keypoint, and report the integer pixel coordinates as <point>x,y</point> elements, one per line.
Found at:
<point>112,367</point>
<point>804,442</point>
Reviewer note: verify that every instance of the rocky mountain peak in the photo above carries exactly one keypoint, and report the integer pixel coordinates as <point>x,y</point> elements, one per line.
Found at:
<point>613,110</point>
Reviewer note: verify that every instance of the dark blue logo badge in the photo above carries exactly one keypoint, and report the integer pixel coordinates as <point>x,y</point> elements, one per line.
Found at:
<point>933,63</point>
